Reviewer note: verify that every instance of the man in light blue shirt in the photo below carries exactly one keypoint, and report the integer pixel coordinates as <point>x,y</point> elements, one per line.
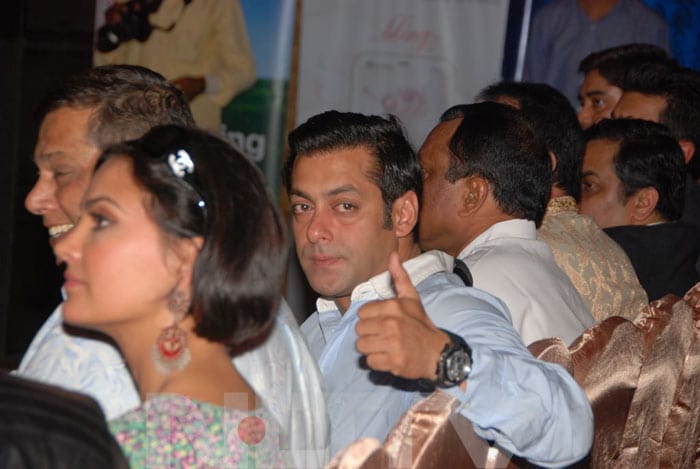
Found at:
<point>354,184</point>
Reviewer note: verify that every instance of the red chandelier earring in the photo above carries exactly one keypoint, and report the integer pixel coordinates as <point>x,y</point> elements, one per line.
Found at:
<point>170,352</point>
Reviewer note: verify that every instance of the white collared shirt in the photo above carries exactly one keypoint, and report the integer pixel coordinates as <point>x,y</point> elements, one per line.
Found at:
<point>508,261</point>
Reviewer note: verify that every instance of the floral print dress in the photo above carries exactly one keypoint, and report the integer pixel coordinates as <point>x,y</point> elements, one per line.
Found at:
<point>174,431</point>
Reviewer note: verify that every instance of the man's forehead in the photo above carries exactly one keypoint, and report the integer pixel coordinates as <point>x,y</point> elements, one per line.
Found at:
<point>63,135</point>
<point>80,153</point>
<point>331,166</point>
<point>601,151</point>
<point>443,132</point>
<point>633,104</point>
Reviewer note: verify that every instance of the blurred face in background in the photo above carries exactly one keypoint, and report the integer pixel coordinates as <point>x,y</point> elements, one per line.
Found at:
<point>597,98</point>
<point>601,192</point>
<point>65,158</point>
<point>634,105</point>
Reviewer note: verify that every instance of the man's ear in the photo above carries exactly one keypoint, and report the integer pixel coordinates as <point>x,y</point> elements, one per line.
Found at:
<point>688,148</point>
<point>553,159</point>
<point>641,206</point>
<point>475,191</point>
<point>404,214</point>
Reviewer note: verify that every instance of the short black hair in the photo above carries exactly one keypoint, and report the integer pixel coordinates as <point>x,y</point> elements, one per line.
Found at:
<point>239,271</point>
<point>612,63</point>
<point>127,101</point>
<point>680,87</point>
<point>554,119</point>
<point>495,141</point>
<point>648,156</point>
<point>398,170</point>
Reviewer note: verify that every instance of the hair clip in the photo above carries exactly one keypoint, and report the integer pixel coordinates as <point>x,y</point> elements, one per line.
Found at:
<point>180,163</point>
<point>182,166</point>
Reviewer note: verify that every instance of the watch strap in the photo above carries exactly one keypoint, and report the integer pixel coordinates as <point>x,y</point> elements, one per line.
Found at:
<point>456,343</point>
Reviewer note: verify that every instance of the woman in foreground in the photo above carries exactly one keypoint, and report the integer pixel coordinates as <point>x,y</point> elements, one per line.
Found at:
<point>179,256</point>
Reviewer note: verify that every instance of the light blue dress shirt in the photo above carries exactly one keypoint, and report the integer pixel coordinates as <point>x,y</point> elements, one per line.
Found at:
<point>281,371</point>
<point>528,407</point>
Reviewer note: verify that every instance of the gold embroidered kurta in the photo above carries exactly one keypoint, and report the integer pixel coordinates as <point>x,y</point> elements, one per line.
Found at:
<point>597,266</point>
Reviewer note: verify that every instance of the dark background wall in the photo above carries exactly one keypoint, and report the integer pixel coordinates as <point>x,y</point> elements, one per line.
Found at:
<point>40,41</point>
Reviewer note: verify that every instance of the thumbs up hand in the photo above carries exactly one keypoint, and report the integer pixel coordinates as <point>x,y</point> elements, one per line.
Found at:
<point>397,335</point>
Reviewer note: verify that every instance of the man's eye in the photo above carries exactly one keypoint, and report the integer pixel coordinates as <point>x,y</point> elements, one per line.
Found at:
<point>345,207</point>
<point>62,175</point>
<point>598,103</point>
<point>588,187</point>
<point>300,208</point>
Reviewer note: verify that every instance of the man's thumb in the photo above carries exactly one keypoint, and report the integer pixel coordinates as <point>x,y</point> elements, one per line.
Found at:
<point>402,282</point>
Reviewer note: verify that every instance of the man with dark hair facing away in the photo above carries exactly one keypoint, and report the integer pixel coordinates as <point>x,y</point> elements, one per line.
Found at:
<point>487,180</point>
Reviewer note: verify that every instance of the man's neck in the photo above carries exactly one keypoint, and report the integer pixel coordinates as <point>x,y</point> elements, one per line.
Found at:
<point>407,249</point>
<point>556,192</point>
<point>654,219</point>
<point>597,9</point>
<point>481,224</point>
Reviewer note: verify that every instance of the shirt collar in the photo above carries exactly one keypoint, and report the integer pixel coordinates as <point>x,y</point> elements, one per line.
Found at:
<point>562,204</point>
<point>380,286</point>
<point>515,228</point>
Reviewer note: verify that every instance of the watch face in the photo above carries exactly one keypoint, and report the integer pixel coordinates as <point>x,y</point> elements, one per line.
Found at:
<point>458,366</point>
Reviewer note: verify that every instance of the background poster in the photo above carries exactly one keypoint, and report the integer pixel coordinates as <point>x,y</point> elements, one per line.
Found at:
<point>412,58</point>
<point>255,120</point>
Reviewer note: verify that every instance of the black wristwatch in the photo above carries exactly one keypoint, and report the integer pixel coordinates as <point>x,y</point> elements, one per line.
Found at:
<point>455,362</point>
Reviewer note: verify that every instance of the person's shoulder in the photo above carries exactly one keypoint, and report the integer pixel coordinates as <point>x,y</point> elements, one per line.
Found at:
<point>556,9</point>
<point>16,390</point>
<point>507,255</point>
<point>639,11</point>
<point>310,324</point>
<point>444,294</point>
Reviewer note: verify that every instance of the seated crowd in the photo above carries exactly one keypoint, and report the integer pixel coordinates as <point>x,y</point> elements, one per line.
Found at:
<point>516,221</point>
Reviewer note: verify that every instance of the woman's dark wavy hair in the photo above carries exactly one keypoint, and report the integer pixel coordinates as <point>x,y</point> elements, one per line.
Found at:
<point>238,274</point>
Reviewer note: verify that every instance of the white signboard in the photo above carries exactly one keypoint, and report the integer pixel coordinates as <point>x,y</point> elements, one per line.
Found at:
<point>411,58</point>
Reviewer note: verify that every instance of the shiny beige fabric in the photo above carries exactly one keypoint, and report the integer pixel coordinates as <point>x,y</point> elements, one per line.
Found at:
<point>606,362</point>
<point>599,268</point>
<point>366,453</point>
<point>643,381</point>
<point>432,435</point>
